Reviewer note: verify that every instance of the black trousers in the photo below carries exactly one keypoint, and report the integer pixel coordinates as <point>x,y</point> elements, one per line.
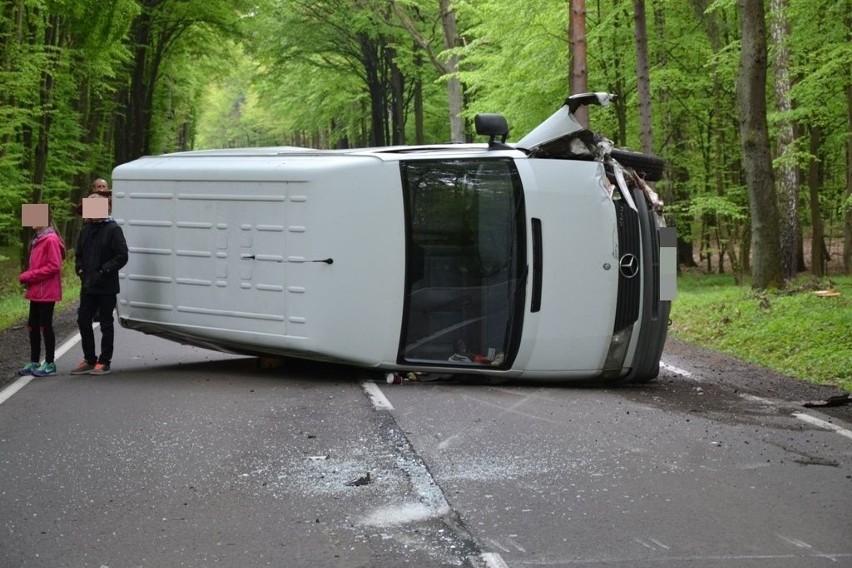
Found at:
<point>103,305</point>
<point>40,323</point>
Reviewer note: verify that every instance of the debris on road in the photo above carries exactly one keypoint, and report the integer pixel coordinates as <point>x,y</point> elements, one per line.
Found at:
<point>838,400</point>
<point>363,480</point>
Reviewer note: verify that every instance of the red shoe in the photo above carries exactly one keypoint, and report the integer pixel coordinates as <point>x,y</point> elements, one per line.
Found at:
<point>100,369</point>
<point>83,368</point>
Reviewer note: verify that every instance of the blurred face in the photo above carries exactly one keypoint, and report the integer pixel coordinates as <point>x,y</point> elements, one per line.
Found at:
<point>95,207</point>
<point>35,215</point>
<point>100,185</point>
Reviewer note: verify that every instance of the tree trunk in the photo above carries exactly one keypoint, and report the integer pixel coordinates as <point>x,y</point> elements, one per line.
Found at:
<point>397,84</point>
<point>52,43</point>
<point>787,173</point>
<point>455,90</point>
<point>130,130</point>
<point>754,137</point>
<point>419,133</point>
<point>455,96</point>
<point>577,55</point>
<point>370,59</point>
<point>847,217</point>
<point>643,79</point>
<point>815,173</point>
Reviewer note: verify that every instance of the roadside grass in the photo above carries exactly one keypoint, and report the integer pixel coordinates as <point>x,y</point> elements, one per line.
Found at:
<point>14,309</point>
<point>793,331</point>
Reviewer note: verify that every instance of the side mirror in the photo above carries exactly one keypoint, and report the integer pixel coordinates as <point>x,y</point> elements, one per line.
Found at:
<point>492,125</point>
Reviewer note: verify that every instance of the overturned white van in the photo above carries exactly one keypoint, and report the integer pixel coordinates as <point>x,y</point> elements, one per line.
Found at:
<point>539,259</point>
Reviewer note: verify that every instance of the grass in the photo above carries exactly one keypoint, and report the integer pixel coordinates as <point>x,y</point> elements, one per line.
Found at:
<point>792,331</point>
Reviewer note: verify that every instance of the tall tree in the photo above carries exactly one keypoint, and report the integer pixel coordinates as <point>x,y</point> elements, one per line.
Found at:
<point>577,53</point>
<point>754,138</point>
<point>847,203</point>
<point>154,36</point>
<point>643,79</point>
<point>787,170</point>
<point>454,86</point>
<point>815,177</point>
<point>447,65</point>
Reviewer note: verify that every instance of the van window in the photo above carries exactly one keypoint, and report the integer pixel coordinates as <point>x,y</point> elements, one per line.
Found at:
<point>465,262</point>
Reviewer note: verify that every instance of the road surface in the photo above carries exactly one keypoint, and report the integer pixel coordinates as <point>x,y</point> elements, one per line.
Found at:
<point>186,457</point>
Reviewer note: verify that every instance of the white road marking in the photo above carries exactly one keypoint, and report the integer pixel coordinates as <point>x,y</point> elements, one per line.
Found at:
<point>7,393</point>
<point>493,560</point>
<point>66,347</point>
<point>823,424</point>
<point>643,543</point>
<point>794,541</point>
<point>376,396</point>
<point>759,400</point>
<point>676,370</point>
<point>659,543</point>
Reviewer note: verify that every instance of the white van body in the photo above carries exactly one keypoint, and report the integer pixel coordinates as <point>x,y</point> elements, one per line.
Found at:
<point>466,259</point>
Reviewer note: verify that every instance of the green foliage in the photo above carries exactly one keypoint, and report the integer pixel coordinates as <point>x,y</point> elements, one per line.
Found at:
<point>297,72</point>
<point>516,60</point>
<point>795,332</point>
<point>719,206</point>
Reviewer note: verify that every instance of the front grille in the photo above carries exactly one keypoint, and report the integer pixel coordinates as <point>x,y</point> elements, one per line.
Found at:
<point>629,289</point>
<point>655,266</point>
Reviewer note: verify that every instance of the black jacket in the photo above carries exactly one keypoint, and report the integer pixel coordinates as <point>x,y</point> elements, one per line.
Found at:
<point>101,252</point>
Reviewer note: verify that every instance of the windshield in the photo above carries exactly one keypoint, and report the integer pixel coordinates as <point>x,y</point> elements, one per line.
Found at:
<point>465,262</point>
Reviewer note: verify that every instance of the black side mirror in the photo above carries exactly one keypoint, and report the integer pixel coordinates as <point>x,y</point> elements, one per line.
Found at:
<point>492,125</point>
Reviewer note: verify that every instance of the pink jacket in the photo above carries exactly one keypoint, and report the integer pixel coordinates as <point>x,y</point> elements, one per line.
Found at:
<point>43,276</point>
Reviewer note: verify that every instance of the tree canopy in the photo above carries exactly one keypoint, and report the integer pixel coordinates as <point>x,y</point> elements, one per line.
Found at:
<point>90,84</point>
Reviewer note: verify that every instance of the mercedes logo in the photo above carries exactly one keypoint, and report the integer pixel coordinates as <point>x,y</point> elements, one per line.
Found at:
<point>628,265</point>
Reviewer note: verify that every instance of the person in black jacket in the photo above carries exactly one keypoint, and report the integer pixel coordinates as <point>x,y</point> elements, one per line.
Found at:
<point>101,252</point>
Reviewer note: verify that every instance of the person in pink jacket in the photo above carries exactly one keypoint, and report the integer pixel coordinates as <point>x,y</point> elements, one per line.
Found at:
<point>43,281</point>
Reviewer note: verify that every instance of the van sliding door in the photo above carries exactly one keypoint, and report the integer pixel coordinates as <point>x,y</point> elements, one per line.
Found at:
<point>465,262</point>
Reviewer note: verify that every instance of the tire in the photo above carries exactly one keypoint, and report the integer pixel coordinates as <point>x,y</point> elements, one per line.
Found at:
<point>649,167</point>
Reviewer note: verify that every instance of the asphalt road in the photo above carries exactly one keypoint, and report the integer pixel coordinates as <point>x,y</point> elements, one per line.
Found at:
<point>185,457</point>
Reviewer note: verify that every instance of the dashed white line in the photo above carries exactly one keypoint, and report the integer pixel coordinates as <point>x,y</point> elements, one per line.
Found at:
<point>376,396</point>
<point>823,424</point>
<point>676,370</point>
<point>759,400</point>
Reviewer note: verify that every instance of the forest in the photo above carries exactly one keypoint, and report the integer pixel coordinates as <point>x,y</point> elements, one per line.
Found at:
<point>748,101</point>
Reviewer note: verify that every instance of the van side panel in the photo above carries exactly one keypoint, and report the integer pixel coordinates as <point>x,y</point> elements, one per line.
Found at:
<point>264,255</point>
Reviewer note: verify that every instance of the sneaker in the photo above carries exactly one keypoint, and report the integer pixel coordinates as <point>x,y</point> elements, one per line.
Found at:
<point>45,370</point>
<point>28,369</point>
<point>100,369</point>
<point>83,368</point>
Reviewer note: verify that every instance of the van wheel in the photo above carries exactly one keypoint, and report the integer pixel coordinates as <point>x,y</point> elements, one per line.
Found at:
<point>649,167</point>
